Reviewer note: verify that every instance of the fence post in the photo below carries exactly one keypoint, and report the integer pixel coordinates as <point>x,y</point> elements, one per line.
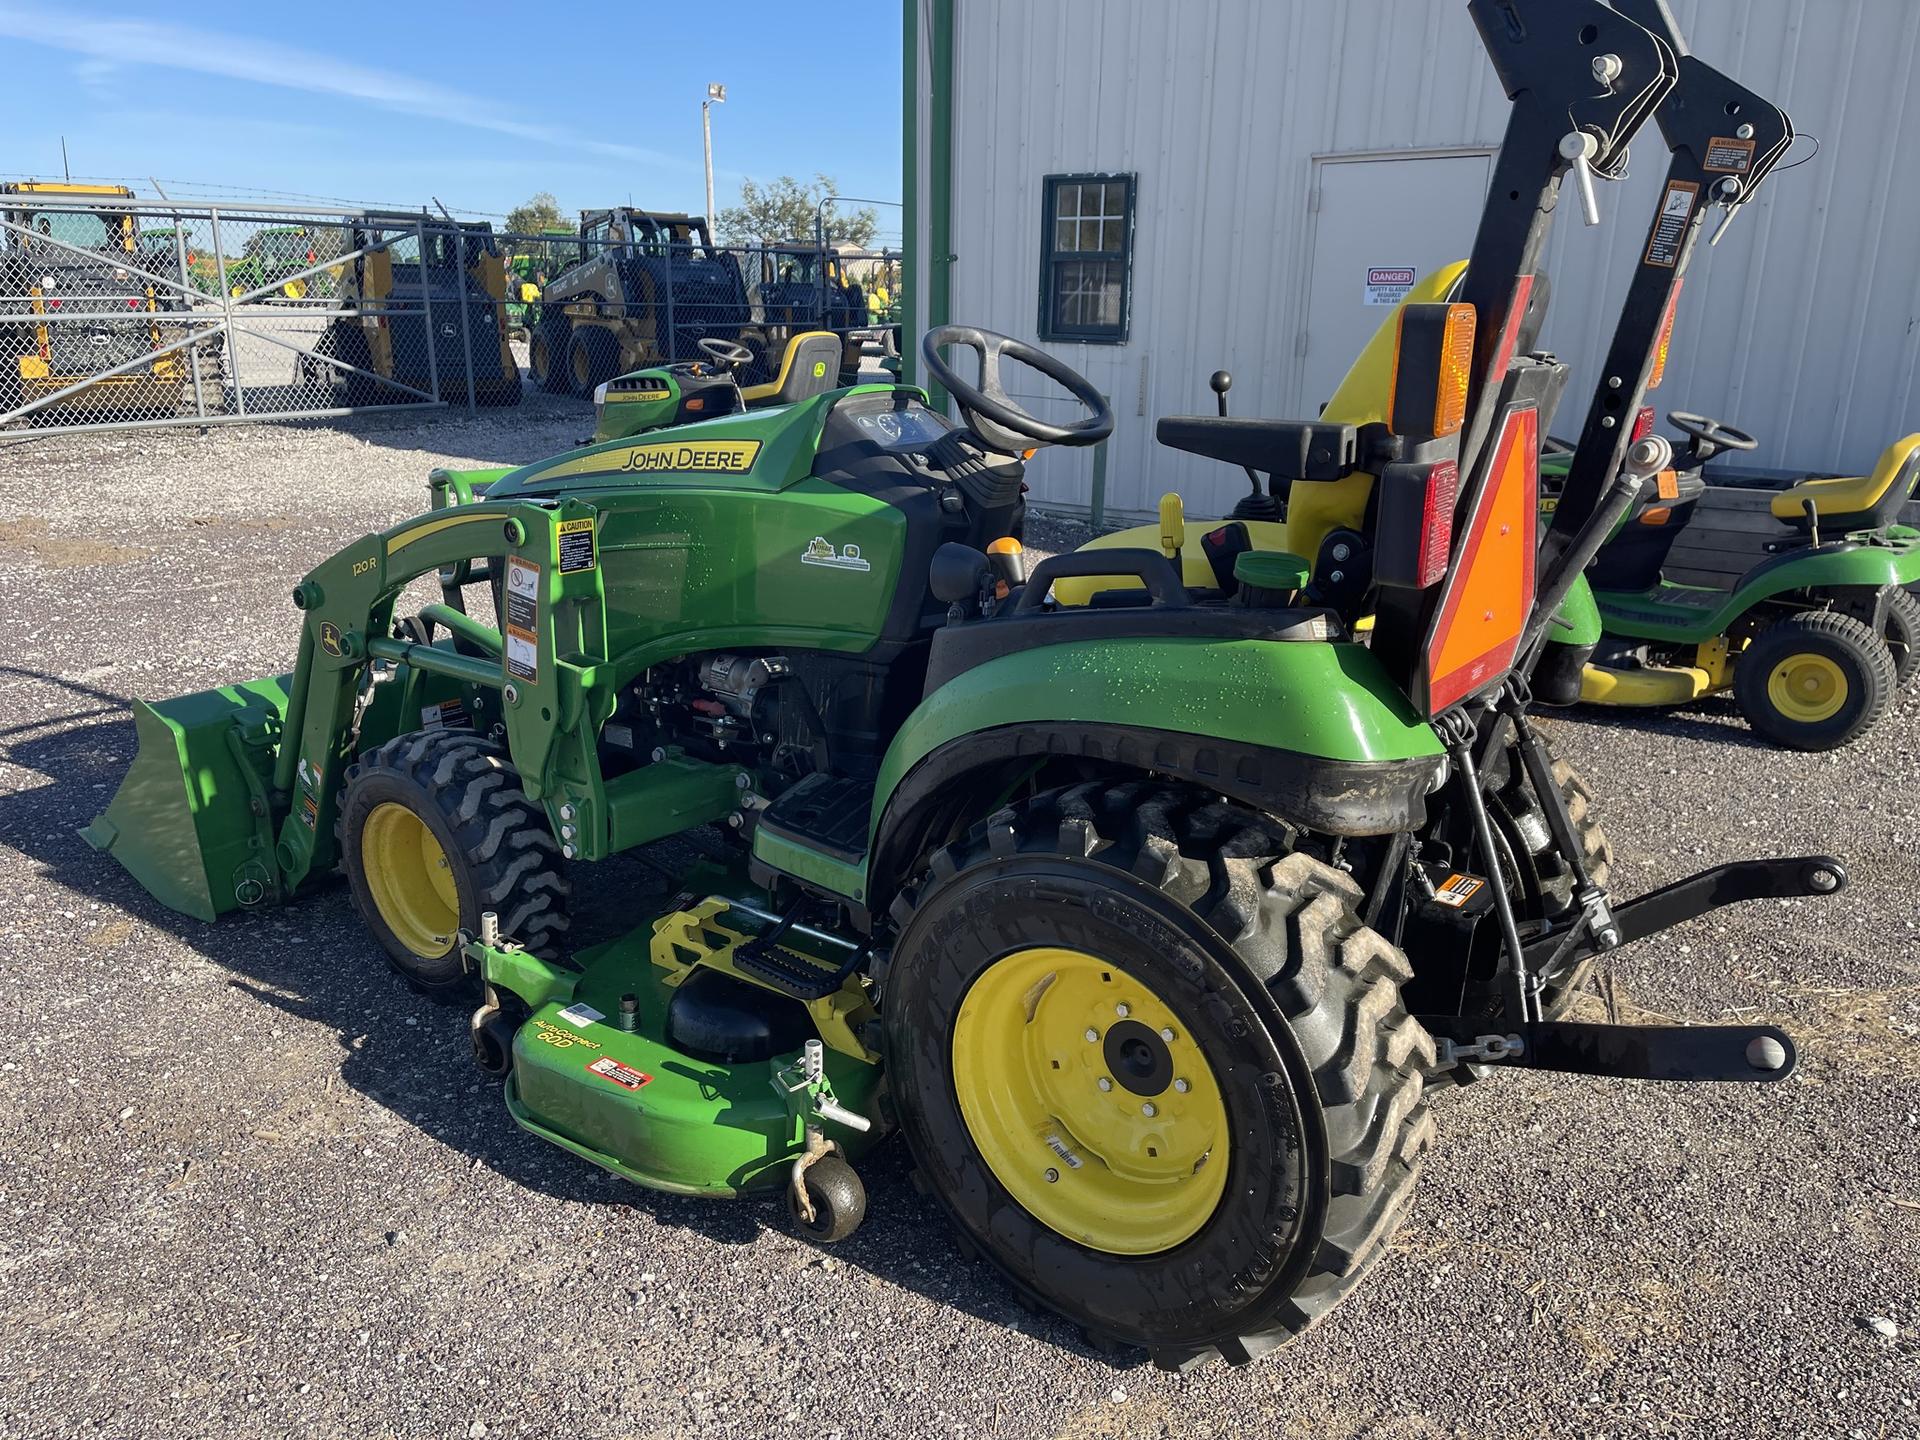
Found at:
<point>458,240</point>
<point>226,312</point>
<point>671,351</point>
<point>426,320</point>
<point>186,300</point>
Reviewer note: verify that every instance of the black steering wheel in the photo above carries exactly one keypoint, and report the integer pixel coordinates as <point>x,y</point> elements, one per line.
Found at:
<point>1709,437</point>
<point>989,402</point>
<point>729,355</point>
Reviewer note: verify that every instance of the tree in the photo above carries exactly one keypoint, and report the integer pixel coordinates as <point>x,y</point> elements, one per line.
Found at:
<point>785,210</point>
<point>542,212</point>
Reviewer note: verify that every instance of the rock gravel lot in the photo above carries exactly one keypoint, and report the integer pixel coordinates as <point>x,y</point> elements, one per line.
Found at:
<point>253,1187</point>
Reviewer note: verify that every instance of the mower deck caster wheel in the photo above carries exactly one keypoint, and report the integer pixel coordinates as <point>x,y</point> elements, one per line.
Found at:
<point>492,1038</point>
<point>839,1201</point>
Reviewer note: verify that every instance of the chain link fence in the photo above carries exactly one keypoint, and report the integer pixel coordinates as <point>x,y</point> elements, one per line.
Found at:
<point>119,312</point>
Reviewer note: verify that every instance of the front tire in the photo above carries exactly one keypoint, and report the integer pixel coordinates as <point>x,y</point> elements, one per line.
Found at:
<point>1902,633</point>
<point>1814,681</point>
<point>1301,1070</point>
<point>434,829</point>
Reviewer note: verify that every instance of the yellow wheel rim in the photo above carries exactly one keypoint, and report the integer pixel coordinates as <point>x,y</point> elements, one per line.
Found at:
<point>294,289</point>
<point>410,879</point>
<point>1807,688</point>
<point>1090,1102</point>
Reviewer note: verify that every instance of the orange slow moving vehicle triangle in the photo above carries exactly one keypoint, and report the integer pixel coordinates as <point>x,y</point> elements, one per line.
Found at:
<point>1491,590</point>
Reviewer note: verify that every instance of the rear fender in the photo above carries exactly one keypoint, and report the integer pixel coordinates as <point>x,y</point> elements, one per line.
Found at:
<point>1313,732</point>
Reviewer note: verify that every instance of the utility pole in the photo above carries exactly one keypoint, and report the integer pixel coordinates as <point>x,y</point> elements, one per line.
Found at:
<point>716,95</point>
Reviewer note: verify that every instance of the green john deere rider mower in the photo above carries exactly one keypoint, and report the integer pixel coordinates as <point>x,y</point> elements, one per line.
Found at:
<point>1808,621</point>
<point>1145,921</point>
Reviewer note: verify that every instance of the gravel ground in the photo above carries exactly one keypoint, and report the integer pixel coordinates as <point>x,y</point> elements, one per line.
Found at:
<point>253,1187</point>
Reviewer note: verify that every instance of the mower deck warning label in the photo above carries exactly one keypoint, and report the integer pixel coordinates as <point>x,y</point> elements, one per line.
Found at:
<point>523,618</point>
<point>1670,227</point>
<point>625,1076</point>
<point>576,545</point>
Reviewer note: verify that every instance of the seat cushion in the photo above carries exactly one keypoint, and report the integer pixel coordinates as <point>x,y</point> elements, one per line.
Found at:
<point>1857,502</point>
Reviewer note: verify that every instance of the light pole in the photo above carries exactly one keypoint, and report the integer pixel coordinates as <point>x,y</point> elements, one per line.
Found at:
<point>716,95</point>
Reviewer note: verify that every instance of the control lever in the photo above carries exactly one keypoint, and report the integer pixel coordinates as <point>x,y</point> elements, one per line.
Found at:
<point>1579,147</point>
<point>1220,382</point>
<point>1009,561</point>
<point>1173,527</point>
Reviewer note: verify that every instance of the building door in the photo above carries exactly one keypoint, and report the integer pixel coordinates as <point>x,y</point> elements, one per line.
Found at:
<point>1381,223</point>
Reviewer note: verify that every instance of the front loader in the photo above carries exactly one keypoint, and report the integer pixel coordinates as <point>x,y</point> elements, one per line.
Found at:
<point>1147,921</point>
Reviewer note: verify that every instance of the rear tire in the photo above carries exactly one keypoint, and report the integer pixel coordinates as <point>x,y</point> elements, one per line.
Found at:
<point>434,829</point>
<point>1289,1011</point>
<point>1814,681</point>
<point>1902,633</point>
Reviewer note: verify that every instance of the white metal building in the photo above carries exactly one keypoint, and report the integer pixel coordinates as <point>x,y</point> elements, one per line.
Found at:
<point>1225,177</point>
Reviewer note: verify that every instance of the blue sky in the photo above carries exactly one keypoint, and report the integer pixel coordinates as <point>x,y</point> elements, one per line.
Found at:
<point>476,103</point>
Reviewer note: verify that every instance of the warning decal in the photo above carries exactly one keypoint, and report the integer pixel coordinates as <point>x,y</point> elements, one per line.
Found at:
<point>1725,153</point>
<point>523,618</point>
<point>1388,284</point>
<point>1670,226</point>
<point>625,1076</point>
<point>576,545</point>
<point>448,715</point>
<point>1456,890</point>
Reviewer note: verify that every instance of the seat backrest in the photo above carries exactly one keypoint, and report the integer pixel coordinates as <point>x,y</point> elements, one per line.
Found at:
<point>1866,502</point>
<point>810,367</point>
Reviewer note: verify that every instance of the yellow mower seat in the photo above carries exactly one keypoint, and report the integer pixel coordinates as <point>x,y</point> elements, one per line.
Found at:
<point>810,367</point>
<point>1859,502</point>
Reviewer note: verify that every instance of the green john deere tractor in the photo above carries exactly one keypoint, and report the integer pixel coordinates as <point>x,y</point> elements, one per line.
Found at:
<point>1146,921</point>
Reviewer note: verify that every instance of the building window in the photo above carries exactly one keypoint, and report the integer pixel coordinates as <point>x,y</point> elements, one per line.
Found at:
<point>1086,257</point>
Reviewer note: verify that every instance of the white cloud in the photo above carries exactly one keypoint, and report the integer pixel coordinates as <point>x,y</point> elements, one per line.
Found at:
<point>106,43</point>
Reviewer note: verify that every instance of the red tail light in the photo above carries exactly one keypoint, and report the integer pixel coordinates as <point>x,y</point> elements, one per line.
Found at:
<point>1414,533</point>
<point>1643,423</point>
<point>1488,595</point>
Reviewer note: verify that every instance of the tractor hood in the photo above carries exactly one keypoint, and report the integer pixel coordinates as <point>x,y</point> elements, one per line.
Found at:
<point>761,450</point>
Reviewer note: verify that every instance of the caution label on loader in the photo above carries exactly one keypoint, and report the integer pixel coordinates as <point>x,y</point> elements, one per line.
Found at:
<point>576,545</point>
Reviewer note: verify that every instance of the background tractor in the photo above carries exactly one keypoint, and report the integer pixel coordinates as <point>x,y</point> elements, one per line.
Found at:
<point>422,298</point>
<point>84,276</point>
<point>1146,921</point>
<point>646,289</point>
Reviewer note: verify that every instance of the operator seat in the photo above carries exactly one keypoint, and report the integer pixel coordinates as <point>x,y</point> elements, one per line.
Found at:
<point>810,367</point>
<point>1859,502</point>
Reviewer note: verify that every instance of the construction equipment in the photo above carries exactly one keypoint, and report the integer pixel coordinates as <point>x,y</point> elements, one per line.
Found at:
<point>646,290</point>
<point>86,278</point>
<point>796,287</point>
<point>427,309</point>
<point>705,389</point>
<point>1157,913</point>
<point>1809,623</point>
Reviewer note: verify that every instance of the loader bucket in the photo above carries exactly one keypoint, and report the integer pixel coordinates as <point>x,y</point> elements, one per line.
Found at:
<point>190,821</point>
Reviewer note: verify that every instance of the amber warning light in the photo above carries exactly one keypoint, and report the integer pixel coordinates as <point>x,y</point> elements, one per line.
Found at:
<point>1432,367</point>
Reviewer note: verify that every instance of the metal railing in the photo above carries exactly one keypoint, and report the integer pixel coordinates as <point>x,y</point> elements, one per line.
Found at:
<point>117,312</point>
<point>120,312</point>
